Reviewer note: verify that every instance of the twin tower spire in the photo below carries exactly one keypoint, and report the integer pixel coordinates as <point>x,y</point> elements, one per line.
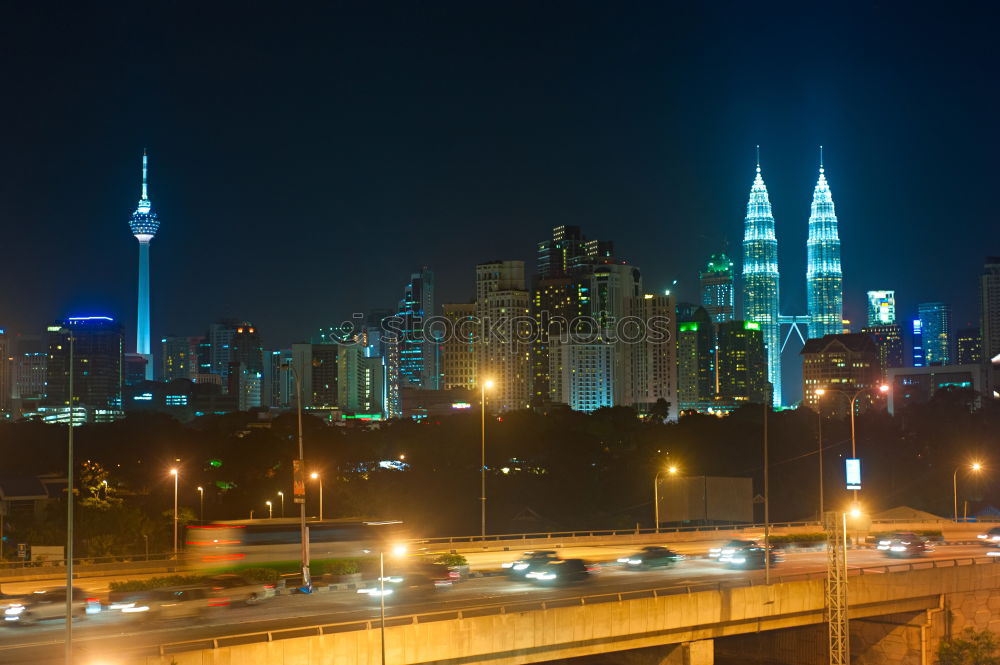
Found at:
<point>824,280</point>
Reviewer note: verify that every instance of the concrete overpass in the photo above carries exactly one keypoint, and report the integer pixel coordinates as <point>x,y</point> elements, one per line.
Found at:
<point>898,614</point>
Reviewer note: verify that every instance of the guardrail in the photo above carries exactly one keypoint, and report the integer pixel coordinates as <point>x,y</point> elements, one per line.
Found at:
<point>505,608</point>
<point>82,562</point>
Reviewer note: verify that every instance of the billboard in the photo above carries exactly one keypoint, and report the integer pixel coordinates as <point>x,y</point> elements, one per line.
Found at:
<point>852,467</point>
<point>706,499</point>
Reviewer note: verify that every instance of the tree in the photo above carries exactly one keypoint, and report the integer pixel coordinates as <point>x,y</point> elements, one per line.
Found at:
<point>974,647</point>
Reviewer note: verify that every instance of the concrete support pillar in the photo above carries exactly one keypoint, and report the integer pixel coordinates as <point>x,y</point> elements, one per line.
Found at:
<point>701,652</point>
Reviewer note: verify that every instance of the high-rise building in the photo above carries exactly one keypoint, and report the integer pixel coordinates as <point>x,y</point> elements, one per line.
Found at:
<point>418,366</point>
<point>649,353</point>
<point>824,280</point>
<point>144,224</point>
<point>846,363</point>
<point>969,346</point>
<point>556,256</point>
<point>557,302</point>
<point>918,343</point>
<point>989,326</point>
<point>503,305</point>
<point>741,359</point>
<point>760,278</point>
<point>377,345</point>
<point>717,290</point>
<point>30,361</point>
<point>134,368</point>
<point>246,348</point>
<point>98,350</point>
<point>695,358</point>
<point>582,375</point>
<point>881,308</point>
<point>315,366</point>
<point>180,357</point>
<point>935,322</point>
<point>889,340</point>
<point>458,351</point>
<point>6,372</point>
<point>277,387</point>
<point>220,340</point>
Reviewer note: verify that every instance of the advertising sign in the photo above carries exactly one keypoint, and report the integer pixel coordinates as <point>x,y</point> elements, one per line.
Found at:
<point>853,468</point>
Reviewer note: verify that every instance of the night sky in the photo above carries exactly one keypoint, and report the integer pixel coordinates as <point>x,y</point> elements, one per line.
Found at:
<point>304,160</point>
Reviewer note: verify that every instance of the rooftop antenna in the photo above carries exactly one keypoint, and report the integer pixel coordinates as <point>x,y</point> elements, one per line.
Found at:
<point>821,159</point>
<point>758,158</point>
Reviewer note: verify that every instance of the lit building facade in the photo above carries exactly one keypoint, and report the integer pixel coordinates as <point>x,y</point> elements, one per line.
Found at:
<point>180,357</point>
<point>742,364</point>
<point>969,347</point>
<point>98,354</point>
<point>651,360</point>
<point>718,292</point>
<point>458,351</point>
<point>889,341</point>
<point>845,363</point>
<point>911,386</point>
<point>935,323</point>
<point>503,303</point>
<point>989,326</point>
<point>582,375</point>
<point>144,224</point>
<point>760,278</point>
<point>917,343</point>
<point>824,279</point>
<point>695,358</point>
<point>418,366</point>
<point>881,308</point>
<point>316,368</point>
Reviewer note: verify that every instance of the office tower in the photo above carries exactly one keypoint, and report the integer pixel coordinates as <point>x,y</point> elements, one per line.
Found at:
<point>649,353</point>
<point>556,256</point>
<point>458,350</point>
<point>555,304</point>
<point>760,278</point>
<point>316,371</point>
<point>30,362</point>
<point>220,340</point>
<point>246,348</point>
<point>881,308</point>
<point>695,358</point>
<point>6,367</point>
<point>418,351</point>
<point>717,290</point>
<point>245,384</point>
<point>918,343</point>
<point>846,363</point>
<point>969,346</point>
<point>378,346</point>
<point>134,368</point>
<point>98,351</point>
<point>277,385</point>
<point>180,357</point>
<point>741,358</point>
<point>503,305</point>
<point>935,322</point>
<point>989,326</point>
<point>824,281</point>
<point>144,224</point>
<point>582,375</point>
<point>889,340</point>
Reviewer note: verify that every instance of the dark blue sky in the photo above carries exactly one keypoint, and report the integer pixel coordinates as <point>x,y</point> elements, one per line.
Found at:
<point>304,161</point>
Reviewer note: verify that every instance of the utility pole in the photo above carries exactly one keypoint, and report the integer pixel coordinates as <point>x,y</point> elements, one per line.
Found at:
<point>835,525</point>
<point>767,498</point>
<point>69,510</point>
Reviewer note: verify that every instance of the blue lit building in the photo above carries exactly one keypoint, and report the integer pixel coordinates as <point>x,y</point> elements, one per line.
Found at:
<point>144,224</point>
<point>418,354</point>
<point>935,321</point>
<point>918,343</point>
<point>717,291</point>
<point>824,280</point>
<point>760,278</point>
<point>98,353</point>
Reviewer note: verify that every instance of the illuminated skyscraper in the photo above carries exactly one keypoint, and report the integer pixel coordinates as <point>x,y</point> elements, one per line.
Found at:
<point>717,292</point>
<point>935,321</point>
<point>144,224</point>
<point>881,308</point>
<point>824,281</point>
<point>760,278</point>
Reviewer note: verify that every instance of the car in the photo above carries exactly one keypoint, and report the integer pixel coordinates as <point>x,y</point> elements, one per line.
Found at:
<point>530,561</point>
<point>167,603</point>
<point>903,545</point>
<point>232,589</point>
<point>404,587</point>
<point>991,538</point>
<point>750,556</point>
<point>720,553</point>
<point>559,572</point>
<point>653,556</point>
<point>49,604</point>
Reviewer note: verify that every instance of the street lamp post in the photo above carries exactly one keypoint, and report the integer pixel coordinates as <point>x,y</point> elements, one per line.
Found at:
<point>767,499</point>
<point>316,476</point>
<point>854,399</point>
<point>69,509</point>
<point>201,504</point>
<point>281,495</point>
<point>173,472</point>
<point>397,551</point>
<point>819,438</point>
<point>306,577</point>
<point>488,383</point>
<point>656,496</point>
<point>270,510</point>
<point>975,466</point>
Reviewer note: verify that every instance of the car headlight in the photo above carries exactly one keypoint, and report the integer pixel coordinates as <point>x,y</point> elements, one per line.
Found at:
<point>546,576</point>
<point>898,548</point>
<point>738,559</point>
<point>520,566</point>
<point>132,608</point>
<point>635,562</point>
<point>14,610</point>
<point>624,559</point>
<point>983,536</point>
<point>506,565</point>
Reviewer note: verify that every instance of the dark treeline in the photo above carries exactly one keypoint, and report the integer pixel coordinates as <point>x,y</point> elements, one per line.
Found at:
<point>564,470</point>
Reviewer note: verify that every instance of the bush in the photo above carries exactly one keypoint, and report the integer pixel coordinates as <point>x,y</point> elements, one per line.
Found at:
<point>259,575</point>
<point>156,582</point>
<point>972,648</point>
<point>451,559</point>
<point>342,566</point>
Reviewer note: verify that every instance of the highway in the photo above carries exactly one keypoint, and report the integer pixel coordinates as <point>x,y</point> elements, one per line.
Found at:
<point>104,638</point>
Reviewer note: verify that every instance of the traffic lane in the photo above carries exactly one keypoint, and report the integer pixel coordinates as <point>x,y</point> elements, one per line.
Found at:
<point>298,610</point>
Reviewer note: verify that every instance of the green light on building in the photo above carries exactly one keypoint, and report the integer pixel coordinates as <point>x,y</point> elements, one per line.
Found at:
<point>751,325</point>
<point>690,326</point>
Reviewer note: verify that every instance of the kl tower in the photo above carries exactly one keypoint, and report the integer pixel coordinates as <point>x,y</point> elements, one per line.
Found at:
<point>144,225</point>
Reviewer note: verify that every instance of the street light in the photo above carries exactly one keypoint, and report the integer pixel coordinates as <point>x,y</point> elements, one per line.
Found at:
<point>270,510</point>
<point>69,505</point>
<point>281,495</point>
<point>173,472</point>
<point>672,470</point>
<point>316,476</point>
<point>306,576</point>
<point>975,466</point>
<point>201,504</point>
<point>819,437</point>
<point>397,551</point>
<point>488,383</point>
<point>883,388</point>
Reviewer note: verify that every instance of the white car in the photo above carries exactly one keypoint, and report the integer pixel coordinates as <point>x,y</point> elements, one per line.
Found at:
<point>49,604</point>
<point>991,538</point>
<point>167,603</point>
<point>234,590</point>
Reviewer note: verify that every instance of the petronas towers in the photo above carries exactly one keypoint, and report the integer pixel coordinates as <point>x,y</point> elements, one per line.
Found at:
<point>824,280</point>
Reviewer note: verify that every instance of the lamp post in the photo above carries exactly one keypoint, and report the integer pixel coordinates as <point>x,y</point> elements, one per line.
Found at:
<point>173,472</point>
<point>883,388</point>
<point>201,504</point>
<point>975,466</point>
<point>306,577</point>
<point>656,496</point>
<point>69,507</point>
<point>819,438</point>
<point>488,383</point>
<point>281,495</point>
<point>316,476</point>
<point>270,510</point>
<point>397,551</point>
<point>767,498</point>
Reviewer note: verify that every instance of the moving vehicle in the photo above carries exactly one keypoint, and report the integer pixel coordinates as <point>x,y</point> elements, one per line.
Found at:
<point>750,556</point>
<point>991,538</point>
<point>405,587</point>
<point>724,551</point>
<point>903,545</point>
<point>167,603</point>
<point>232,589</point>
<point>652,556</point>
<point>529,562</point>
<point>559,572</point>
<point>49,604</point>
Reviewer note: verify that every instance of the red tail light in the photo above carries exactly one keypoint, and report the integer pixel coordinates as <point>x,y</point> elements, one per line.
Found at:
<point>268,586</point>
